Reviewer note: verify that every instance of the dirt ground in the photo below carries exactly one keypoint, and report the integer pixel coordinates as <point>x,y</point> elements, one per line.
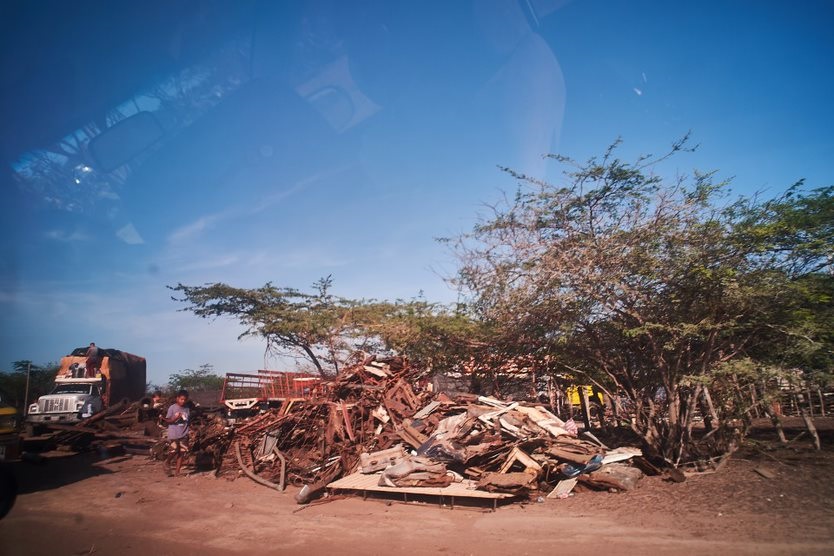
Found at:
<point>78,505</point>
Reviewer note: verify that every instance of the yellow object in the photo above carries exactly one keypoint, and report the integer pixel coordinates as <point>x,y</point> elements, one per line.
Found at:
<point>9,436</point>
<point>573,394</point>
<point>9,419</point>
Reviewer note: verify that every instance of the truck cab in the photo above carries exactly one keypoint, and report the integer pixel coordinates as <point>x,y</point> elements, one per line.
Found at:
<point>80,392</point>
<point>69,401</point>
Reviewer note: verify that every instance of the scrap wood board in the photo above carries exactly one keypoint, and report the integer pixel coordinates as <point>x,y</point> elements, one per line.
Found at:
<point>369,483</point>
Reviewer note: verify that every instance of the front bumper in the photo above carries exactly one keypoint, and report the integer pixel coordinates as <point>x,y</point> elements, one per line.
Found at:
<point>42,418</point>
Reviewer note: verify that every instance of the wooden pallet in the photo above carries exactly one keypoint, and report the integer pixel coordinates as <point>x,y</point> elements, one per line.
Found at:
<point>360,482</point>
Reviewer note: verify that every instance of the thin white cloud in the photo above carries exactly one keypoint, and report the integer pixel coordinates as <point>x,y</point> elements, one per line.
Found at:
<point>194,229</point>
<point>129,234</point>
<point>638,92</point>
<point>207,222</point>
<point>279,196</point>
<point>66,237</point>
<point>107,194</point>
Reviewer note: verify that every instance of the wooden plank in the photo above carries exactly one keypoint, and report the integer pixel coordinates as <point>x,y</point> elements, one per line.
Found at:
<point>563,488</point>
<point>621,454</point>
<point>376,372</point>
<point>512,429</point>
<point>766,473</point>
<point>465,489</point>
<point>488,417</point>
<point>426,411</point>
<point>568,455</point>
<point>517,455</point>
<point>348,426</point>
<point>492,401</point>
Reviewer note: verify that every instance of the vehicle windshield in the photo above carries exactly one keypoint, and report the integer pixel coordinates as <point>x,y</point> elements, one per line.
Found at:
<point>72,389</point>
<point>254,143</point>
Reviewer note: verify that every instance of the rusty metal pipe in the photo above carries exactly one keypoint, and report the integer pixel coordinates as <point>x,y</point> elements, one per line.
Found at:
<point>282,482</point>
<point>251,474</point>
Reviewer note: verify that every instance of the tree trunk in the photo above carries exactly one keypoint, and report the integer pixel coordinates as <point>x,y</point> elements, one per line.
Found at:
<point>586,410</point>
<point>812,430</point>
<point>746,417</point>
<point>313,358</point>
<point>754,400</point>
<point>777,424</point>
<point>615,407</point>
<point>688,421</point>
<point>569,405</point>
<point>810,401</point>
<point>713,416</point>
<point>533,385</point>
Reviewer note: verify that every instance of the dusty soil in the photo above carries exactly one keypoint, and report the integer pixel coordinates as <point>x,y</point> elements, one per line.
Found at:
<point>78,505</point>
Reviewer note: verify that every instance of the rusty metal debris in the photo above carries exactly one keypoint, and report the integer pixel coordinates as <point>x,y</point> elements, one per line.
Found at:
<point>381,417</point>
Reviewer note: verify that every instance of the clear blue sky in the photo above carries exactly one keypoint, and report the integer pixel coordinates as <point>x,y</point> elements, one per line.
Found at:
<point>342,140</point>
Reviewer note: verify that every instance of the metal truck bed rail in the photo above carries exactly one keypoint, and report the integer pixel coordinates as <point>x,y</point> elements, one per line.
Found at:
<point>269,385</point>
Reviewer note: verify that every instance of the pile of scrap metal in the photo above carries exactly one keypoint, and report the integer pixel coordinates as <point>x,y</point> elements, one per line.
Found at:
<point>381,416</point>
<point>506,447</point>
<point>312,441</point>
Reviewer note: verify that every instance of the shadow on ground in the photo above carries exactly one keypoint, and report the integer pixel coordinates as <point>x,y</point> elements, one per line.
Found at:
<point>55,470</point>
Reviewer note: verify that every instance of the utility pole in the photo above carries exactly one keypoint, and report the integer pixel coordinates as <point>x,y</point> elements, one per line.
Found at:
<point>26,395</point>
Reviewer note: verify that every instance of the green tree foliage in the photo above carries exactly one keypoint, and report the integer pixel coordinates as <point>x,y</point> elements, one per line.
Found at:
<point>13,383</point>
<point>328,330</point>
<point>198,380</point>
<point>314,325</point>
<point>794,237</point>
<point>647,288</point>
<point>794,232</point>
<point>432,334</point>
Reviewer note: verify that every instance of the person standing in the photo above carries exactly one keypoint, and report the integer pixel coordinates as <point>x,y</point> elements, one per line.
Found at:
<point>177,419</point>
<point>93,360</point>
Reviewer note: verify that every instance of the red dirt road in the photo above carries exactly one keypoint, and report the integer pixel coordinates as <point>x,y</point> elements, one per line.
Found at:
<point>77,506</point>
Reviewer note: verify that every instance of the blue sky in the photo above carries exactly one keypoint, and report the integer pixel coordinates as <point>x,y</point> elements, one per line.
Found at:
<point>278,178</point>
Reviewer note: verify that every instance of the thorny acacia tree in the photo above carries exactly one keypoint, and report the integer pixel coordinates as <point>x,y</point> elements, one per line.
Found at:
<point>328,331</point>
<point>643,286</point>
<point>313,325</point>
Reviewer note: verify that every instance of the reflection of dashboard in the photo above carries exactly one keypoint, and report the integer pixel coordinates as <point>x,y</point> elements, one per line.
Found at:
<point>88,116</point>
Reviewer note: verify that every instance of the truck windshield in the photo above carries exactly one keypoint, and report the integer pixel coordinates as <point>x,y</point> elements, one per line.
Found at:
<point>72,389</point>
